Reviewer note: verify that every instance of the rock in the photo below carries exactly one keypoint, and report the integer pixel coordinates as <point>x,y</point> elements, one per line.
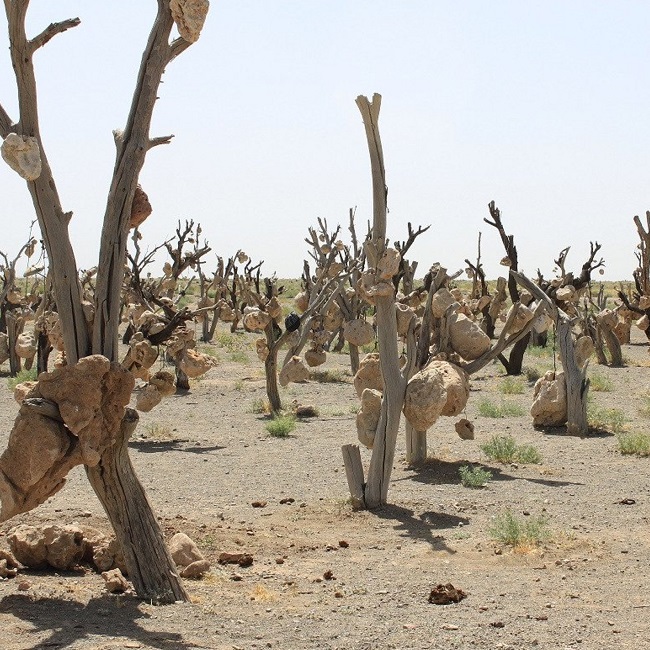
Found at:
<point>388,265</point>
<point>456,383</point>
<point>189,16</point>
<point>140,208</point>
<point>306,411</point>
<point>242,559</point>
<point>566,294</point>
<point>26,345</point>
<point>467,338</point>
<point>163,380</point>
<point>115,582</point>
<point>294,370</point>
<point>148,398</point>
<point>6,571</point>
<point>301,301</point>
<point>404,315</point>
<point>256,320</point>
<point>369,374</point>
<point>315,357</point>
<point>23,390</point>
<point>425,398</point>
<point>465,429</point>
<point>23,155</point>
<point>549,406</point>
<point>584,348</point>
<point>368,416</point>
<point>446,594</point>
<point>194,364</point>
<point>195,570</point>
<point>108,555</point>
<point>358,332</point>
<point>441,301</point>
<point>61,547</point>
<point>523,317</point>
<point>183,550</point>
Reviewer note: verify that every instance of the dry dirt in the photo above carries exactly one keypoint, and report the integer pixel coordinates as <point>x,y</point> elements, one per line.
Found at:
<point>324,576</point>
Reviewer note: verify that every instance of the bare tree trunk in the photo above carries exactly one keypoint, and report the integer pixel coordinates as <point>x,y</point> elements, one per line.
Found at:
<point>147,559</point>
<point>14,329</point>
<point>416,445</point>
<point>577,384</point>
<point>354,358</point>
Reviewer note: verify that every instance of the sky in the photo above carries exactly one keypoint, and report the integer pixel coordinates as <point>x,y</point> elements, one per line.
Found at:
<point>541,106</point>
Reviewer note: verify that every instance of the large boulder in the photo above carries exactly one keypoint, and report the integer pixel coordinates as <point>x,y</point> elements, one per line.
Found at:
<point>467,338</point>
<point>425,398</point>
<point>549,408</point>
<point>183,550</point>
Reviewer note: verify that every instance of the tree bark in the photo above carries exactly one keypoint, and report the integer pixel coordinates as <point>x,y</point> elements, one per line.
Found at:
<point>150,566</point>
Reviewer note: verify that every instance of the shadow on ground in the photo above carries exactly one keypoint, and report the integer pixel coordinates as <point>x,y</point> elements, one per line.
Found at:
<point>65,621</point>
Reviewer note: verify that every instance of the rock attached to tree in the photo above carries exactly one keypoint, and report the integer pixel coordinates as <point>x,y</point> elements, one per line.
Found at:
<point>549,408</point>
<point>358,332</point>
<point>369,374</point>
<point>23,155</point>
<point>294,371</point>
<point>368,416</point>
<point>425,398</point>
<point>467,338</point>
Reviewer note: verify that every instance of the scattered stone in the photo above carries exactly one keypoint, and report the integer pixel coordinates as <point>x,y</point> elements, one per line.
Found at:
<point>115,582</point>
<point>259,504</point>
<point>61,547</point>
<point>24,585</point>
<point>195,570</point>
<point>243,559</point>
<point>343,544</point>
<point>306,411</point>
<point>287,500</point>
<point>183,550</point>
<point>328,575</point>
<point>446,594</point>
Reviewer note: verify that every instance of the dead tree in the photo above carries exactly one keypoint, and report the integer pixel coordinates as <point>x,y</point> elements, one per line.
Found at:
<point>106,460</point>
<point>514,363</point>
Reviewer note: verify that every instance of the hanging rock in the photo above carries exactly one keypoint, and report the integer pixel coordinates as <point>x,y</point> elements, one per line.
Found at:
<point>467,338</point>
<point>189,16</point>
<point>425,398</point>
<point>294,371</point>
<point>358,332</point>
<point>549,406</point>
<point>368,416</point>
<point>23,155</point>
<point>369,374</point>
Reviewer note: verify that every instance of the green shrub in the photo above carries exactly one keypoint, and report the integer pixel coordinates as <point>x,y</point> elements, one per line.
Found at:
<point>607,419</point>
<point>600,384</point>
<point>519,532</point>
<point>637,444</point>
<point>23,375</point>
<point>260,406</point>
<point>489,409</point>
<point>532,373</point>
<point>504,449</point>
<point>511,386</point>
<point>281,426</point>
<point>474,477</point>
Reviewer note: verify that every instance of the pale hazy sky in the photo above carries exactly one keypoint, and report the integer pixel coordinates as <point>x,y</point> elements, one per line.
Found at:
<point>541,106</point>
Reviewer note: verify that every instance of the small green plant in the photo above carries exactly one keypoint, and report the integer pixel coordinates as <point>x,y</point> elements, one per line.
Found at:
<point>600,383</point>
<point>504,449</point>
<point>511,386</point>
<point>489,409</point>
<point>281,426</point>
<point>528,455</point>
<point>645,409</point>
<point>517,532</point>
<point>238,385</point>
<point>238,356</point>
<point>539,351</point>
<point>474,477</point>
<point>532,374</point>
<point>606,419</point>
<point>23,375</point>
<point>637,444</point>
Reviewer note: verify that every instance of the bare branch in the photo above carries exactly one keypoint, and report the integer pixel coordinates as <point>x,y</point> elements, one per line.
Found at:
<point>6,123</point>
<point>51,31</point>
<point>154,142</point>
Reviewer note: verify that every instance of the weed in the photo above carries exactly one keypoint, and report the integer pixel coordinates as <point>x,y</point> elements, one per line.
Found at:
<point>538,351</point>
<point>519,533</point>
<point>637,444</point>
<point>156,431</point>
<point>532,374</point>
<point>238,356</point>
<point>600,383</point>
<point>327,376</point>
<point>281,426</point>
<point>645,409</point>
<point>488,409</point>
<point>23,375</point>
<point>238,385</point>
<point>528,455</point>
<point>511,386</point>
<point>504,449</point>
<point>606,419</point>
<point>474,477</point>
<point>260,406</point>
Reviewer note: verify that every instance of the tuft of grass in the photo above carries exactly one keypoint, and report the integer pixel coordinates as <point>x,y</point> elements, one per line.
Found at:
<point>520,533</point>
<point>156,431</point>
<point>238,356</point>
<point>238,385</point>
<point>489,409</point>
<point>637,444</point>
<point>22,376</point>
<point>260,406</point>
<point>327,376</point>
<point>538,351</point>
<point>645,409</point>
<point>600,383</point>
<point>474,477</point>
<point>511,386</point>
<point>504,449</point>
<point>532,374</point>
<point>606,419</point>
<point>281,426</point>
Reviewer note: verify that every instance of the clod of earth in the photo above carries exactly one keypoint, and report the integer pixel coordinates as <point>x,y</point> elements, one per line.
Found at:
<point>446,594</point>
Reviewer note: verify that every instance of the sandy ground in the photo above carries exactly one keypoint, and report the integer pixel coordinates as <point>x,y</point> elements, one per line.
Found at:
<point>324,576</point>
